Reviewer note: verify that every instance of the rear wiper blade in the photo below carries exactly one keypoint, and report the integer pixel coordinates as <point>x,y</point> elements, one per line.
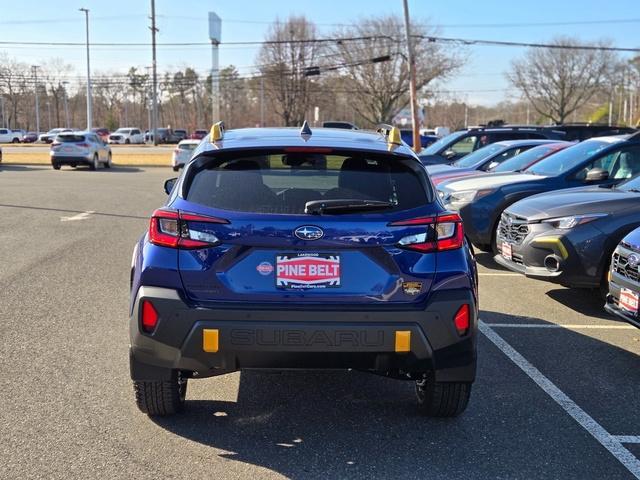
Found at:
<point>346,205</point>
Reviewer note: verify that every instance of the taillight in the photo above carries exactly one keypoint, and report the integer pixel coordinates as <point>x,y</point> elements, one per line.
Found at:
<point>149,316</point>
<point>169,228</point>
<point>176,150</point>
<point>444,232</point>
<point>462,319</point>
<point>55,144</point>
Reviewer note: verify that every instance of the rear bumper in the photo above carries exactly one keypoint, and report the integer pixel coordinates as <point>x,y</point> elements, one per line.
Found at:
<point>75,159</point>
<point>313,337</point>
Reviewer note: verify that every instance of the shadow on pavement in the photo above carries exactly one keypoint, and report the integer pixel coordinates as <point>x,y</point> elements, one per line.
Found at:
<point>357,425</point>
<point>582,300</point>
<point>486,260</point>
<point>10,167</point>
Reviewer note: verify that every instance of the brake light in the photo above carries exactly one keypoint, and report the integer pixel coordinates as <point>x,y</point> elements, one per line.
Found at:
<point>83,145</point>
<point>444,232</point>
<point>149,316</point>
<point>169,228</point>
<point>462,319</point>
<point>55,144</point>
<point>176,150</point>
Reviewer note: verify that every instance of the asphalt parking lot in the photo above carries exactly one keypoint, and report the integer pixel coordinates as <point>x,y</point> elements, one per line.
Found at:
<point>557,394</point>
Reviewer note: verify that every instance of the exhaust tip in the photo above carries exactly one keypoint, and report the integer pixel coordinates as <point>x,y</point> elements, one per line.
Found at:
<point>552,263</point>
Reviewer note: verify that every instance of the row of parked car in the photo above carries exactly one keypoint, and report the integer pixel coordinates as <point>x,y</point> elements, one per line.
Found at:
<point>125,135</point>
<point>562,208</point>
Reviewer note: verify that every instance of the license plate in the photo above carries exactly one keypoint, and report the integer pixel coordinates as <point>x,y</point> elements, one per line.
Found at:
<point>307,271</point>
<point>67,149</point>
<point>629,300</point>
<point>506,250</point>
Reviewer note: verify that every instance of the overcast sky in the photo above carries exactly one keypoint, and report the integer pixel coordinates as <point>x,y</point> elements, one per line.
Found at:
<point>480,82</point>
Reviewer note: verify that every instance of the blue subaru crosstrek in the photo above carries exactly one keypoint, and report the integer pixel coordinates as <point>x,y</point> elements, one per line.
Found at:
<point>286,248</point>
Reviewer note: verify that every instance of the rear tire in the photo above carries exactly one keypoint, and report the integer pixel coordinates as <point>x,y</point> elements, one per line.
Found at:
<point>161,398</point>
<point>15,140</point>
<point>440,399</point>
<point>107,164</point>
<point>176,168</point>
<point>94,165</point>
<point>55,166</point>
<point>127,141</point>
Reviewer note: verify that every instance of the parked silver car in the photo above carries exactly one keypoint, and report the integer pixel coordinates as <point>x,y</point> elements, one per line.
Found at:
<point>80,148</point>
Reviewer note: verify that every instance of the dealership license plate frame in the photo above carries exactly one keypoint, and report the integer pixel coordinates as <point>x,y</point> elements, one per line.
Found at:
<point>629,300</point>
<point>506,250</point>
<point>287,282</point>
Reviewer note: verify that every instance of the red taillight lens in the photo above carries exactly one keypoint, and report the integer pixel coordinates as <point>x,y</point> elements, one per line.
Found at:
<point>169,228</point>
<point>55,144</point>
<point>149,316</point>
<point>444,232</point>
<point>462,319</point>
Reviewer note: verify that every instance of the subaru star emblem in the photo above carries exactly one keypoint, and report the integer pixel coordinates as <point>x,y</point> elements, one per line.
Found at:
<point>309,232</point>
<point>633,260</point>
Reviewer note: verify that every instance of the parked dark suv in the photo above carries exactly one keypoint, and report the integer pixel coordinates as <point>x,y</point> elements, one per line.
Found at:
<point>323,249</point>
<point>458,144</point>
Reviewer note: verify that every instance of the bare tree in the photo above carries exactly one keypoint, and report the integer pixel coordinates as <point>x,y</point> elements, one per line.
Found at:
<point>558,81</point>
<point>380,89</point>
<point>284,62</point>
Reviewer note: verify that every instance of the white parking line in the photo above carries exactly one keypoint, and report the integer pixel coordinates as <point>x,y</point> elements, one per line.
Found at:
<point>560,325</point>
<point>608,441</point>
<point>491,274</point>
<point>627,438</point>
<point>79,216</point>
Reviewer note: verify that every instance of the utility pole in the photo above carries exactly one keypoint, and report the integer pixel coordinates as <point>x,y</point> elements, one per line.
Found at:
<point>89,99</point>
<point>215,31</point>
<point>49,114</point>
<point>262,100</point>
<point>35,82</point>
<point>66,104</point>
<point>412,81</point>
<point>154,66</point>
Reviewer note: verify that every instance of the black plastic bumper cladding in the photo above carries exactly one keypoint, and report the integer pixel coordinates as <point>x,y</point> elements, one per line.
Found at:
<point>315,337</point>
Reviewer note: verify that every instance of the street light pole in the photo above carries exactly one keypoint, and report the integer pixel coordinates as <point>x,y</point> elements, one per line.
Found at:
<point>35,82</point>
<point>417,146</point>
<point>89,101</point>
<point>66,104</point>
<point>154,98</point>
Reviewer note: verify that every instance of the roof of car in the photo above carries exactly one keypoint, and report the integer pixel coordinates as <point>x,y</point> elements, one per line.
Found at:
<point>519,143</point>
<point>247,138</point>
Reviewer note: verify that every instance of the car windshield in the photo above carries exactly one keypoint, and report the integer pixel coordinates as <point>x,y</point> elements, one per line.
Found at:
<point>285,183</point>
<point>122,130</point>
<point>187,146</point>
<point>434,148</point>
<point>566,159</point>
<point>523,160</point>
<point>479,156</point>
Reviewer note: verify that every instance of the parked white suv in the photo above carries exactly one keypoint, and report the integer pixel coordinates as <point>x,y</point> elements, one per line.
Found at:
<point>9,136</point>
<point>127,135</point>
<point>182,153</point>
<point>80,148</point>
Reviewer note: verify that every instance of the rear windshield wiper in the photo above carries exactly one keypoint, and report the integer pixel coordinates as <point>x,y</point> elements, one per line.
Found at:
<point>346,205</point>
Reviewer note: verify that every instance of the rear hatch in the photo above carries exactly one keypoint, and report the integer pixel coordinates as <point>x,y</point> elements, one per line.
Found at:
<point>70,144</point>
<point>306,227</point>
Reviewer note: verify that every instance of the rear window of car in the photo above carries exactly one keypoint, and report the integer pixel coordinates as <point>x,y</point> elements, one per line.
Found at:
<point>282,183</point>
<point>70,138</point>
<point>187,146</point>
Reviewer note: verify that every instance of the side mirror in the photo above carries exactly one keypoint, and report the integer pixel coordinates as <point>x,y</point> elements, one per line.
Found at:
<point>493,165</point>
<point>449,154</point>
<point>169,184</point>
<point>596,175</point>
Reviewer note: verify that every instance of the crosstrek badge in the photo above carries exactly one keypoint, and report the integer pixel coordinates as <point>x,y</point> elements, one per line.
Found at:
<point>307,271</point>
